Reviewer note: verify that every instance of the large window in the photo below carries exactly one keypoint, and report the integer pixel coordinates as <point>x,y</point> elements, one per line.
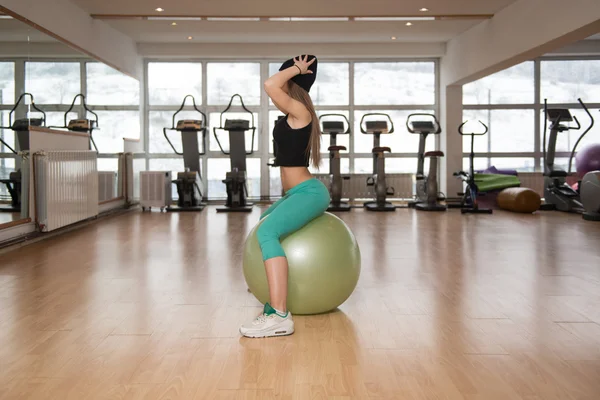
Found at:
<point>53,82</point>
<point>227,79</point>
<point>514,85</point>
<point>169,83</point>
<point>332,86</point>
<point>7,98</point>
<point>565,81</point>
<point>7,83</point>
<point>109,87</point>
<point>506,102</point>
<point>394,83</point>
<point>397,88</point>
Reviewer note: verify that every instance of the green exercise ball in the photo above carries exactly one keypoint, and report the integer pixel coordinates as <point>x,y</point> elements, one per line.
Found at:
<point>324,266</point>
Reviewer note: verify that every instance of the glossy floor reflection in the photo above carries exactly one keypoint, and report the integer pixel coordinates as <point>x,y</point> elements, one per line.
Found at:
<point>147,306</point>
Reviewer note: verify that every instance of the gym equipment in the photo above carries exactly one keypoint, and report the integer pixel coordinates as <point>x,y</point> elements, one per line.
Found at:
<point>469,203</point>
<point>587,159</point>
<point>334,128</point>
<point>491,182</point>
<point>590,196</point>
<point>558,195</point>
<point>190,188</point>
<point>427,198</point>
<point>81,125</point>
<point>21,129</point>
<point>521,200</point>
<point>378,128</point>
<point>324,266</point>
<point>235,180</point>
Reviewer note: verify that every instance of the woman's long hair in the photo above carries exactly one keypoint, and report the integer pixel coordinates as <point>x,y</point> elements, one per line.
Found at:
<point>314,145</point>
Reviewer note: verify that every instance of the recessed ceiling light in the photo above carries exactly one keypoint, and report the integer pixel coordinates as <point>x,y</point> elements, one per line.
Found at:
<point>409,24</point>
<point>160,9</point>
<point>393,38</point>
<point>174,23</point>
<point>424,9</point>
<point>190,38</point>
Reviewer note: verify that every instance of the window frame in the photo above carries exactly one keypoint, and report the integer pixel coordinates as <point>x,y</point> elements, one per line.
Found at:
<point>265,107</point>
<point>20,81</point>
<point>537,107</point>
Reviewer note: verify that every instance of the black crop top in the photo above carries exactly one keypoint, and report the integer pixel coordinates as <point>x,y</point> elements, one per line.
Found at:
<point>291,145</point>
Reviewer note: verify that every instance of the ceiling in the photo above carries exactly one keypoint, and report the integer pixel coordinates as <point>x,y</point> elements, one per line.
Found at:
<point>142,30</point>
<point>290,32</point>
<point>292,7</point>
<point>12,30</point>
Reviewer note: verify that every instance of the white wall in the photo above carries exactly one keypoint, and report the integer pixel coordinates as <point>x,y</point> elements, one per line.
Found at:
<point>70,24</point>
<point>46,50</point>
<point>256,51</point>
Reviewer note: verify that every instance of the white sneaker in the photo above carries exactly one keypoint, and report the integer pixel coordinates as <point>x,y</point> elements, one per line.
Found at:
<point>268,324</point>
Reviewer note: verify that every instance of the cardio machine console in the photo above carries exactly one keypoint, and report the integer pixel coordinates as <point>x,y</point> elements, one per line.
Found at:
<point>189,125</point>
<point>376,127</point>
<point>24,124</point>
<point>81,125</point>
<point>561,114</point>
<point>237,125</point>
<point>423,126</point>
<point>335,127</point>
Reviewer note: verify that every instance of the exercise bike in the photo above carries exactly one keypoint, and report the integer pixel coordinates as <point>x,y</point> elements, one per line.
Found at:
<point>236,180</point>
<point>469,203</point>
<point>21,129</point>
<point>427,198</point>
<point>334,128</point>
<point>558,195</point>
<point>190,188</point>
<point>81,125</point>
<point>378,181</point>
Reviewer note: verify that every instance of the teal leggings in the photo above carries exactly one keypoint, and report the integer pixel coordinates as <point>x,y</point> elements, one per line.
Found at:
<point>300,205</point>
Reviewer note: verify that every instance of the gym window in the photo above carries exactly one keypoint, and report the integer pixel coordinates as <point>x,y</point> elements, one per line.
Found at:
<point>511,102</point>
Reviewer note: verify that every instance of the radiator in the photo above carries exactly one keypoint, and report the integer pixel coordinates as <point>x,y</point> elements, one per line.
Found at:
<point>533,181</point>
<point>126,184</point>
<point>66,188</point>
<point>155,189</point>
<point>356,187</point>
<point>107,185</point>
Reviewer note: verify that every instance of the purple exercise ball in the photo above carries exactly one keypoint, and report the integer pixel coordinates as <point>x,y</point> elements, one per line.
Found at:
<point>588,159</point>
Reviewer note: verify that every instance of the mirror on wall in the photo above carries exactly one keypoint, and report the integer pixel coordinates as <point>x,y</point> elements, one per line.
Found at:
<point>33,86</point>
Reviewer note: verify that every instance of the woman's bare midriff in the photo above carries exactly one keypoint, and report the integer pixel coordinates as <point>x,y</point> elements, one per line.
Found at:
<point>292,176</point>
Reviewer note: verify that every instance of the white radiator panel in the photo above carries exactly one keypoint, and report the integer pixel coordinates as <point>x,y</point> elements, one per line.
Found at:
<point>356,187</point>
<point>66,188</point>
<point>107,185</point>
<point>155,189</point>
<point>533,181</point>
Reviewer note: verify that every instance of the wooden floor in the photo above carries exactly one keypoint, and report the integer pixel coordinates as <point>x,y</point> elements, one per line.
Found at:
<point>147,306</point>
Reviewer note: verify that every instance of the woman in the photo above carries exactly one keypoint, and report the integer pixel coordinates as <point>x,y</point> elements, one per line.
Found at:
<point>297,140</point>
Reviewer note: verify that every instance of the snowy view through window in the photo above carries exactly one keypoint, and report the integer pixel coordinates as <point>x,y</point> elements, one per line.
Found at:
<point>504,101</point>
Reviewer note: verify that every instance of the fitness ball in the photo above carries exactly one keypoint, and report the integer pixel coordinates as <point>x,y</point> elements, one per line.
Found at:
<point>588,159</point>
<point>324,266</point>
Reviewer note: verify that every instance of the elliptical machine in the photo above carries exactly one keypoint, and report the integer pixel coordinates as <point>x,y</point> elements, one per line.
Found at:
<point>427,198</point>
<point>21,129</point>
<point>81,125</point>
<point>558,195</point>
<point>190,188</point>
<point>469,204</point>
<point>334,128</point>
<point>378,181</point>
<point>235,180</point>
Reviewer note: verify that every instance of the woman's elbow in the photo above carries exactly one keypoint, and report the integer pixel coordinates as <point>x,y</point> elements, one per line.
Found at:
<point>268,85</point>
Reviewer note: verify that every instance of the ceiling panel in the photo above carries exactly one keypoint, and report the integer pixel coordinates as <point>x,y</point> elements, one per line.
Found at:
<point>292,8</point>
<point>290,32</point>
